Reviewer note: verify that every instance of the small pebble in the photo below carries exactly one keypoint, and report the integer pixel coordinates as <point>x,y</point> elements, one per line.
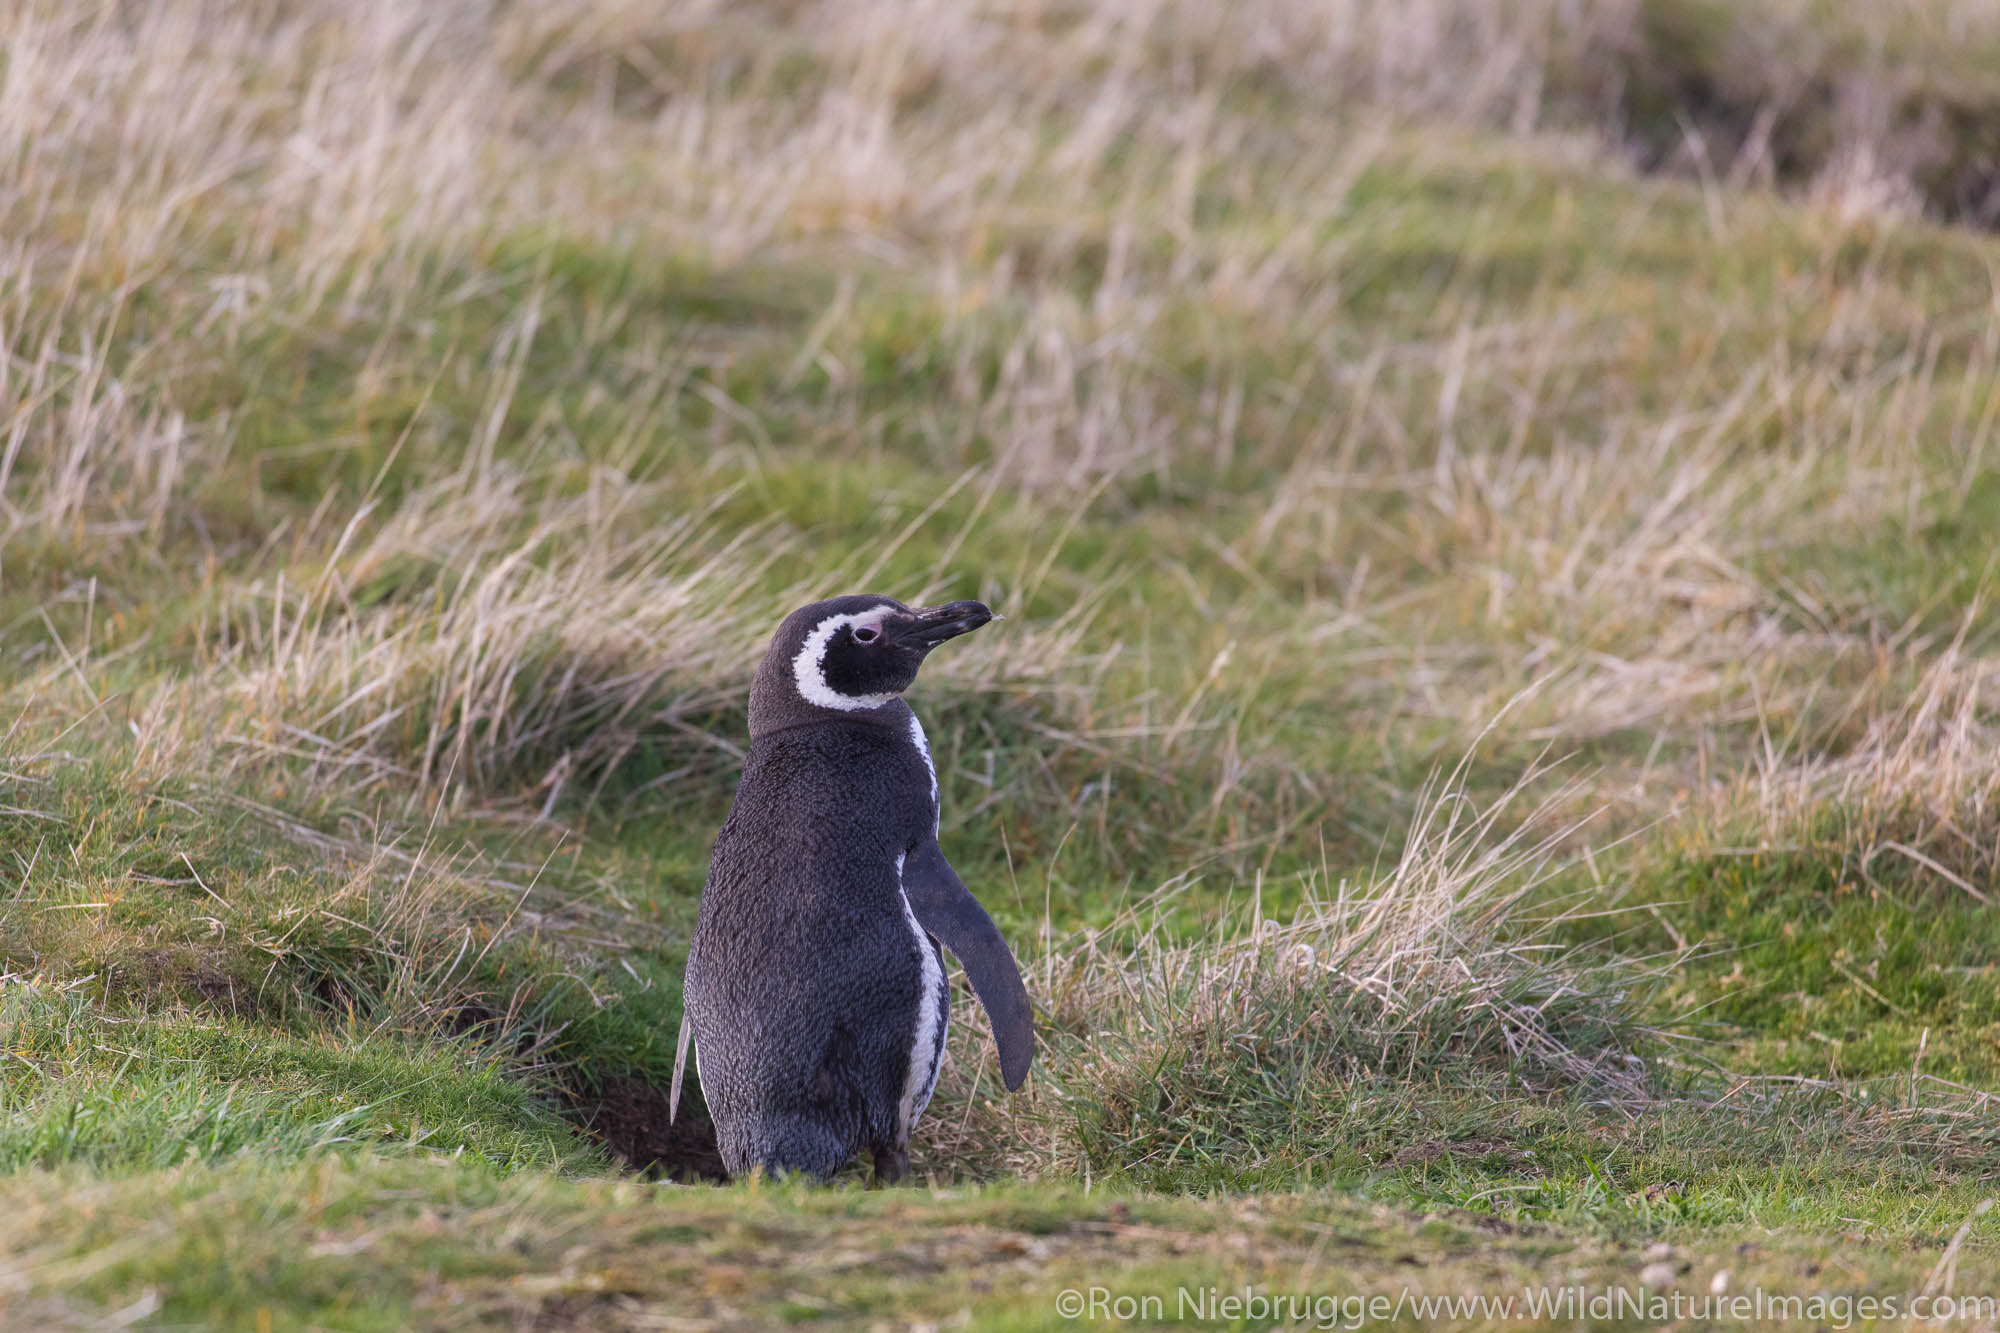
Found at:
<point>1657,1275</point>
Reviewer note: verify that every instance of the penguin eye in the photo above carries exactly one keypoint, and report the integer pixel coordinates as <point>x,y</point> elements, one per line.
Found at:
<point>867,634</point>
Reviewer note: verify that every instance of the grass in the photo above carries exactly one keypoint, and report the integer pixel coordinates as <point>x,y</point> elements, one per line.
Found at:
<point>367,1242</point>
<point>1489,761</point>
<point>87,1087</point>
<point>1839,979</point>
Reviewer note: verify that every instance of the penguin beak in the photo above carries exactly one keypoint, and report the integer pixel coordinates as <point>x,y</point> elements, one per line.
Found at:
<point>930,626</point>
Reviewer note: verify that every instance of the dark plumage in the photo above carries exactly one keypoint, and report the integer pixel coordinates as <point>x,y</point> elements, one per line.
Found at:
<point>815,991</point>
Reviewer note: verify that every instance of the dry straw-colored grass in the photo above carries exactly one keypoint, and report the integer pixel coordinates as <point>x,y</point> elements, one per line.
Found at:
<point>558,627</point>
<point>1245,1046</point>
<point>298,166</point>
<point>1916,798</point>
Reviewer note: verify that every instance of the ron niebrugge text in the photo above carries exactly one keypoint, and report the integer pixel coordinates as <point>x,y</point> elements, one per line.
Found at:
<point>1837,1310</point>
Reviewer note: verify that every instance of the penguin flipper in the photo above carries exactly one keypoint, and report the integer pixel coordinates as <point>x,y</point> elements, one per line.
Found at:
<point>944,907</point>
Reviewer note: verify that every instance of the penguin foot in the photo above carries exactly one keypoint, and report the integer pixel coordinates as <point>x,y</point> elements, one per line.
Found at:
<point>891,1165</point>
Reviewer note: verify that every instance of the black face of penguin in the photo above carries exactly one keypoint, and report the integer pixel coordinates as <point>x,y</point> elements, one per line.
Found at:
<point>849,656</point>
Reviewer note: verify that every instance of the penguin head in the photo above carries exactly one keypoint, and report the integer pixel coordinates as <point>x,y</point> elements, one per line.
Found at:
<point>850,655</point>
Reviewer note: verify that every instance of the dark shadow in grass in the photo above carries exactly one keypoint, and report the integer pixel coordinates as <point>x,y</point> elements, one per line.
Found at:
<point>629,1117</point>
<point>626,1113</point>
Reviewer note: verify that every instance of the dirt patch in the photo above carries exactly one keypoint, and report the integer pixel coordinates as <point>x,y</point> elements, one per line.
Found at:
<point>219,989</point>
<point>1416,1154</point>
<point>629,1116</point>
<point>183,976</point>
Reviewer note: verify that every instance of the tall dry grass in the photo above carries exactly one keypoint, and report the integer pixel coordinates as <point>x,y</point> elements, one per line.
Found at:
<point>1267,1041</point>
<point>1916,798</point>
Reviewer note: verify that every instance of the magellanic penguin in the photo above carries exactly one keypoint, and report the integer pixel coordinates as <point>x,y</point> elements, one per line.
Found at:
<point>816,994</point>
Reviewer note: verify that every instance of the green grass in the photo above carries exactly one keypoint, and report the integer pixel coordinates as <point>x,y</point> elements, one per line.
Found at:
<point>120,1095</point>
<point>370,1242</point>
<point>1489,761</point>
<point>1816,974</point>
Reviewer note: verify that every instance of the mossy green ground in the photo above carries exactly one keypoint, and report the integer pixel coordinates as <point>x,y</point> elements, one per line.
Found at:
<point>364,740</point>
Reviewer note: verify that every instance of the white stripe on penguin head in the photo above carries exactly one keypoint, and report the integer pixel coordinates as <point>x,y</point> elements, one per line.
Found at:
<point>809,667</point>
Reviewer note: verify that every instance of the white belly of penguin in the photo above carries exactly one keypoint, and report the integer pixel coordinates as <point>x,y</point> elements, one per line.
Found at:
<point>927,1038</point>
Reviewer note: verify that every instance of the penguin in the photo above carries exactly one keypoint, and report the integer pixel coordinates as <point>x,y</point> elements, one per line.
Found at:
<point>815,993</point>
